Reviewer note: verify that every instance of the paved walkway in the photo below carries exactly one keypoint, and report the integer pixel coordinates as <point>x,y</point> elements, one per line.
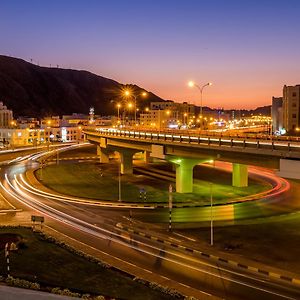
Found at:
<point>12,293</point>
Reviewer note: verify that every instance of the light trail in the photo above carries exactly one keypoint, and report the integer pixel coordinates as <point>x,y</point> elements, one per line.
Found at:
<point>44,194</point>
<point>94,230</point>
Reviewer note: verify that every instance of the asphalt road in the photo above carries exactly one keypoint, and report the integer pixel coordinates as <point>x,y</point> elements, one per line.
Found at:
<point>97,227</point>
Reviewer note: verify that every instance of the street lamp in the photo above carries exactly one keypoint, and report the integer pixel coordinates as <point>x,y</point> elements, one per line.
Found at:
<point>128,93</point>
<point>184,118</point>
<point>118,107</point>
<point>119,177</point>
<point>193,84</point>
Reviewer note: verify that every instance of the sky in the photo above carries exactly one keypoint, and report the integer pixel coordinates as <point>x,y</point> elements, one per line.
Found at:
<point>247,49</point>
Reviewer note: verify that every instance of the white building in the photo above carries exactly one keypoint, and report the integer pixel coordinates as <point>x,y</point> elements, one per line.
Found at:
<point>6,116</point>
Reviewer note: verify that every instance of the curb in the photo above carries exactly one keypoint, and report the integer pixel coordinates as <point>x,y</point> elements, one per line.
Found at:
<point>9,210</point>
<point>216,258</point>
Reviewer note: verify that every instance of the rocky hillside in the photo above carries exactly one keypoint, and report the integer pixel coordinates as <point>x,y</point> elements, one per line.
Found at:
<point>31,90</point>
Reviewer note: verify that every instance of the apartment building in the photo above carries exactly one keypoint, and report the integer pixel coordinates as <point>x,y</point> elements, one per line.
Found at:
<point>291,108</point>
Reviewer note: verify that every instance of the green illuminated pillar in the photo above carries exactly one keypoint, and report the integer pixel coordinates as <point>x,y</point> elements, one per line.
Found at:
<point>184,174</point>
<point>239,175</point>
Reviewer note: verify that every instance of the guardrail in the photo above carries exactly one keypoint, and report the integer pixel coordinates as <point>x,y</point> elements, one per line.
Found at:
<point>287,147</point>
<point>221,133</point>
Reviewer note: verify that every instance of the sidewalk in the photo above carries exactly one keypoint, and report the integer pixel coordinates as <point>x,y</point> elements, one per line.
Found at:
<point>13,293</point>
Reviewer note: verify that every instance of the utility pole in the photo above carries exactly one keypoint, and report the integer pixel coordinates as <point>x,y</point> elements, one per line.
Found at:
<point>120,181</point>
<point>170,206</point>
<point>211,217</point>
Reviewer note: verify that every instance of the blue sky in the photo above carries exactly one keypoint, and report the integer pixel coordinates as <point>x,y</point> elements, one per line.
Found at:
<point>248,49</point>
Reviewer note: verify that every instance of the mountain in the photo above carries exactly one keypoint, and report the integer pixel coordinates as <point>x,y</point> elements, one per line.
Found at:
<point>34,91</point>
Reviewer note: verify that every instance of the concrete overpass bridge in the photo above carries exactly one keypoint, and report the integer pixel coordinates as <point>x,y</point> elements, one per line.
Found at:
<point>186,151</point>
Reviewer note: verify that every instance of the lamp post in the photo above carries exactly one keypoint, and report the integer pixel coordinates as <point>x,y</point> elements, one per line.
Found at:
<point>211,217</point>
<point>192,84</point>
<point>211,208</point>
<point>119,171</point>
<point>118,107</point>
<point>184,118</point>
<point>128,93</point>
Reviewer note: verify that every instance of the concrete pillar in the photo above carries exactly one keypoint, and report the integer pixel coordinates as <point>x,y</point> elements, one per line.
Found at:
<point>289,168</point>
<point>146,157</point>
<point>98,150</point>
<point>184,174</point>
<point>126,161</point>
<point>239,175</point>
<point>103,154</point>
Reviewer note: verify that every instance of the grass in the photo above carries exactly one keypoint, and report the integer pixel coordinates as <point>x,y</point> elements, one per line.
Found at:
<point>277,243</point>
<point>100,181</point>
<point>51,265</point>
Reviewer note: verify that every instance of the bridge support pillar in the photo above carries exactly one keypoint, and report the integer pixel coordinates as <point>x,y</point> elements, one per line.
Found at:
<point>184,174</point>
<point>126,157</point>
<point>103,154</point>
<point>239,175</point>
<point>289,168</point>
<point>146,157</point>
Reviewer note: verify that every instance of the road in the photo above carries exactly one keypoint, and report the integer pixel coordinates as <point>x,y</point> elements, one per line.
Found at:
<point>99,227</point>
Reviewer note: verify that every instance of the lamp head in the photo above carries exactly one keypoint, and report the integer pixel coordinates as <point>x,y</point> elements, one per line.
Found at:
<point>191,83</point>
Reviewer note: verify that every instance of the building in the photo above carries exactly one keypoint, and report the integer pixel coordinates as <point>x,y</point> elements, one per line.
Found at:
<point>173,113</point>
<point>25,122</point>
<point>6,116</point>
<point>276,114</point>
<point>158,119</point>
<point>53,121</point>
<point>291,108</point>
<point>16,137</point>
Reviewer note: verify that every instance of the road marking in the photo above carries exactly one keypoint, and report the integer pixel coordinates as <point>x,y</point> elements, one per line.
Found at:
<point>186,237</point>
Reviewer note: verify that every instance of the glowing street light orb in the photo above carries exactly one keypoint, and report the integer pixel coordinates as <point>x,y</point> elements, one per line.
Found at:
<point>127,93</point>
<point>191,83</point>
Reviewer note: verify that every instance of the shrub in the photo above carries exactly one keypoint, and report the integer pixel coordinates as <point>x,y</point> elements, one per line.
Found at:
<point>22,283</point>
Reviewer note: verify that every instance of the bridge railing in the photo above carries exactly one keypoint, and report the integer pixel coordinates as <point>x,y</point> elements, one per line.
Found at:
<point>193,139</point>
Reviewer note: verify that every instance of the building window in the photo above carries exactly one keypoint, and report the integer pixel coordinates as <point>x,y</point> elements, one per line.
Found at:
<point>294,116</point>
<point>294,94</point>
<point>294,104</point>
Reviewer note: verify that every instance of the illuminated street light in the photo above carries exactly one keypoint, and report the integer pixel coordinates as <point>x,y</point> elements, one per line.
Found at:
<point>118,107</point>
<point>128,93</point>
<point>193,84</point>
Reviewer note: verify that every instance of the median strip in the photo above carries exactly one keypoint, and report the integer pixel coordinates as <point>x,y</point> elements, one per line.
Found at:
<point>209,256</point>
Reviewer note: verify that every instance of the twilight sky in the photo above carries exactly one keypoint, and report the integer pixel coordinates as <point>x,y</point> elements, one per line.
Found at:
<point>248,49</point>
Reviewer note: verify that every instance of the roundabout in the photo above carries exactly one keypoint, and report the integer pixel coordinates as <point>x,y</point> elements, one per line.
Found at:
<point>265,190</point>
<point>109,226</point>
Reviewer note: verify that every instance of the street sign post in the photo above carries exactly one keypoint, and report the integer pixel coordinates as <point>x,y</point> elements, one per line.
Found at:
<point>39,219</point>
